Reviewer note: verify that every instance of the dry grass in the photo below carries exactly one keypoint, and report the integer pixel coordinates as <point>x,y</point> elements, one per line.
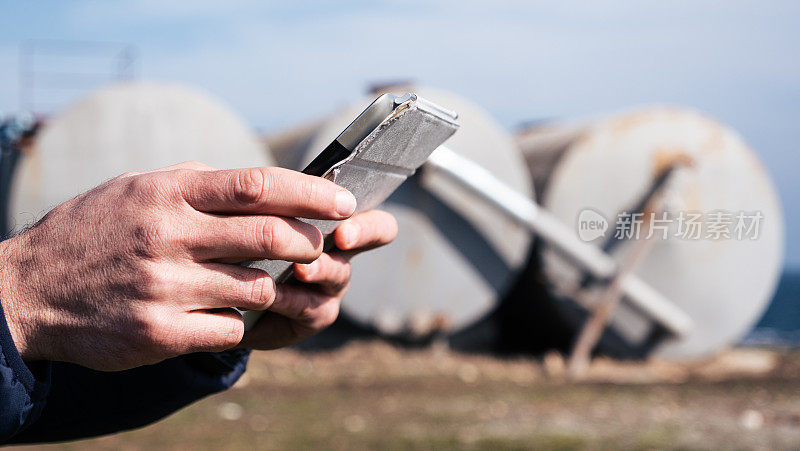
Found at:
<point>372,395</point>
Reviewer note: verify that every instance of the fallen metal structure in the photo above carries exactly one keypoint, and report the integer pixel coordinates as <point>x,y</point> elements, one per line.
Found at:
<point>651,159</point>
<point>489,217</point>
<point>611,165</point>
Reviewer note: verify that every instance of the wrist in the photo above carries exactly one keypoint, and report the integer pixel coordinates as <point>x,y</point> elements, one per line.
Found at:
<point>17,319</point>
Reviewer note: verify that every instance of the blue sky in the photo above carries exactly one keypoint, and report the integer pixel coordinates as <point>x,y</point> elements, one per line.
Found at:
<point>281,63</point>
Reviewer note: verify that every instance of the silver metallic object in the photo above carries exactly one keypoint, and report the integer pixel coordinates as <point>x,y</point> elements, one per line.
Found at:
<point>455,259</point>
<point>372,157</point>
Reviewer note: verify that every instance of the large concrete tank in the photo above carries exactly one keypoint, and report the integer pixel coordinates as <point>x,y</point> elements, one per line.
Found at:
<point>607,165</point>
<point>128,127</point>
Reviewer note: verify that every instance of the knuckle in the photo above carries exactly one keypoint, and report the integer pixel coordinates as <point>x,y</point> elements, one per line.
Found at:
<point>317,242</point>
<point>171,182</point>
<point>329,311</point>
<point>154,283</point>
<point>262,293</point>
<point>222,338</point>
<point>136,185</point>
<point>346,272</point>
<point>274,237</point>
<point>232,335</point>
<point>391,228</point>
<point>249,185</point>
<point>147,184</point>
<point>309,190</point>
<point>128,174</point>
<point>154,188</point>
<point>158,336</point>
<point>179,174</point>
<point>320,316</point>
<point>310,242</point>
<point>308,256</point>
<point>307,316</point>
<point>152,236</point>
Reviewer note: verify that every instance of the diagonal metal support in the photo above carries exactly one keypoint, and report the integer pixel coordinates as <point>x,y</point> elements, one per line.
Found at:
<point>480,182</point>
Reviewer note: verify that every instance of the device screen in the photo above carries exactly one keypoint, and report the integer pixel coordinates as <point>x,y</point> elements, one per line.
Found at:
<point>334,153</point>
<point>359,129</point>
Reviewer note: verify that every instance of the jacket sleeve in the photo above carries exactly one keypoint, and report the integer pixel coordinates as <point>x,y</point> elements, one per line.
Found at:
<point>22,391</point>
<point>85,403</point>
<point>68,401</point>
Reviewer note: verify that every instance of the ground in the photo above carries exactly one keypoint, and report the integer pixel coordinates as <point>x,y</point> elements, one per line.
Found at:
<point>373,395</point>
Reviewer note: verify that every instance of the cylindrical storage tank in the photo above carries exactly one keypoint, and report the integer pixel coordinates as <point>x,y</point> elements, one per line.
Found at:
<point>607,165</point>
<point>135,126</point>
<point>454,258</point>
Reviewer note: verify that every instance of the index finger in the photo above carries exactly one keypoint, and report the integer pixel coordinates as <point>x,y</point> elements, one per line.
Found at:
<point>274,191</point>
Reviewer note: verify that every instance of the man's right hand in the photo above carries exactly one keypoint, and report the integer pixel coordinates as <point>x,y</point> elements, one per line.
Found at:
<point>137,270</point>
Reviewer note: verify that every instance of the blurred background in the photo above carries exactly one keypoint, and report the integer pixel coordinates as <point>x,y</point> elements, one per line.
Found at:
<point>473,329</point>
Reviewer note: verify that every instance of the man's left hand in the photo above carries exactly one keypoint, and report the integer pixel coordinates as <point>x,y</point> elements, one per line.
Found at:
<point>300,311</point>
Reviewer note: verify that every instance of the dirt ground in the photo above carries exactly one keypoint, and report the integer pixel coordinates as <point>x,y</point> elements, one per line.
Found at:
<point>373,395</point>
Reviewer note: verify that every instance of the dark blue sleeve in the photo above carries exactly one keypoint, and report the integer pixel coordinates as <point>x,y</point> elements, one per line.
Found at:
<point>71,401</point>
<point>84,402</point>
<point>22,392</point>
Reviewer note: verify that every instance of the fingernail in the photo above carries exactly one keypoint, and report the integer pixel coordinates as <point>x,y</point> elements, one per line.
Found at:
<point>345,203</point>
<point>311,268</point>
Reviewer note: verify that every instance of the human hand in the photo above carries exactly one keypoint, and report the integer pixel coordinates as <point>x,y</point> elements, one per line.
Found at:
<point>131,272</point>
<point>300,311</point>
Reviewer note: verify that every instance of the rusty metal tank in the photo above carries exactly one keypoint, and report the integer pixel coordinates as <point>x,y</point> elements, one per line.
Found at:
<point>607,165</point>
<point>134,126</point>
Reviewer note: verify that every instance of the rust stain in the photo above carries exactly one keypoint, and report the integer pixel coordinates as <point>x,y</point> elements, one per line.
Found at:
<point>716,141</point>
<point>693,196</point>
<point>625,123</point>
<point>414,257</point>
<point>669,157</point>
<point>631,120</point>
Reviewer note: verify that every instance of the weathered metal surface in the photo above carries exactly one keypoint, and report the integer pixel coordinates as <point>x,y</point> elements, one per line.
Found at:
<point>607,165</point>
<point>128,127</point>
<point>454,258</point>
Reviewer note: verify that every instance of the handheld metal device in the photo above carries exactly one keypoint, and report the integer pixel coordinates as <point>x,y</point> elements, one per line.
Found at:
<point>373,156</point>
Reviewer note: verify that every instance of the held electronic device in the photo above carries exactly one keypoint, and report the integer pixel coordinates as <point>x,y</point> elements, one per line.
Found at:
<point>376,153</point>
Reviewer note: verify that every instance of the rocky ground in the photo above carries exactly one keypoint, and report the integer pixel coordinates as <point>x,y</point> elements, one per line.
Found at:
<point>370,395</point>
